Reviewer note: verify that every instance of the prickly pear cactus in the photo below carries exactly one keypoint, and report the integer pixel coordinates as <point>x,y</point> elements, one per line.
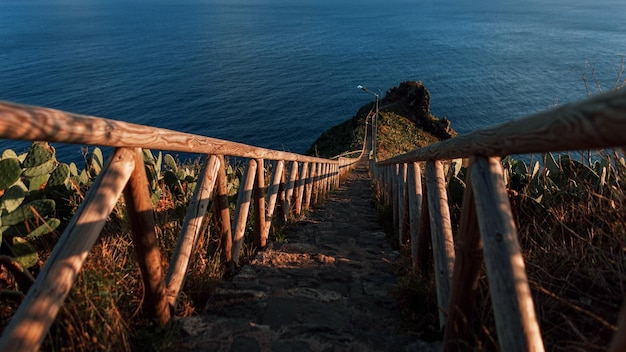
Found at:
<point>39,153</point>
<point>170,162</point>
<point>43,169</point>
<point>60,176</point>
<point>10,172</point>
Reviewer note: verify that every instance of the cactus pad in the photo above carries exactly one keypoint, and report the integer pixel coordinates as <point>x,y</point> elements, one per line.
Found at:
<point>42,169</point>
<point>168,159</point>
<point>8,154</point>
<point>40,152</point>
<point>13,198</point>
<point>42,207</point>
<point>60,176</point>
<point>10,172</point>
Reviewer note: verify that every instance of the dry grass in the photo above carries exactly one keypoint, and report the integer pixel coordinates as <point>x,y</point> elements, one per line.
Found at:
<point>574,246</point>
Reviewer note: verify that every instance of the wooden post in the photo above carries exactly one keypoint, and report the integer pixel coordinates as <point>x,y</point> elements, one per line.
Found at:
<point>458,333</point>
<point>141,217</point>
<point>513,307</point>
<point>222,213</point>
<point>322,181</point>
<point>34,316</point>
<point>414,182</point>
<point>196,210</point>
<point>259,205</point>
<point>316,183</point>
<point>403,210</point>
<point>325,182</point>
<point>272,193</point>
<point>242,208</point>
<point>395,192</point>
<point>310,181</point>
<point>293,175</point>
<point>300,189</point>
<point>424,241</point>
<point>441,233</point>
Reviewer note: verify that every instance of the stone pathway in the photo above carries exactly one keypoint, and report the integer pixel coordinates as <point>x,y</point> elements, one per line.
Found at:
<point>325,289</point>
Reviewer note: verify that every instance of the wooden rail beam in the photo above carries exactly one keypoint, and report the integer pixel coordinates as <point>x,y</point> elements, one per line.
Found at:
<point>33,123</point>
<point>414,183</point>
<point>242,208</point>
<point>300,188</point>
<point>309,186</point>
<point>595,123</point>
<point>403,205</point>
<point>272,194</point>
<point>222,213</point>
<point>458,333</point>
<point>141,218</point>
<point>395,194</point>
<point>441,233</point>
<point>196,210</point>
<point>289,188</point>
<point>34,316</point>
<point>259,205</point>
<point>513,306</point>
<point>424,241</point>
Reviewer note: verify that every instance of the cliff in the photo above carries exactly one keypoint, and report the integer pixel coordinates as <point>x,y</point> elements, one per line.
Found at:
<point>405,123</point>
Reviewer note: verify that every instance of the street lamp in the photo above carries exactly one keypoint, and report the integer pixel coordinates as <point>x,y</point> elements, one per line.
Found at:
<point>375,122</point>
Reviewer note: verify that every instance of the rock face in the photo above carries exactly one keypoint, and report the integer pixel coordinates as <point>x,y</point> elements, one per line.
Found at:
<point>416,98</point>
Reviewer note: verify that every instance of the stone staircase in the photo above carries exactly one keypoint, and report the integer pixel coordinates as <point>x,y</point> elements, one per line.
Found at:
<point>325,289</point>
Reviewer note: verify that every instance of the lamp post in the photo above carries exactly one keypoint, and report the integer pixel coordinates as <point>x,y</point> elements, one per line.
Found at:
<point>375,121</point>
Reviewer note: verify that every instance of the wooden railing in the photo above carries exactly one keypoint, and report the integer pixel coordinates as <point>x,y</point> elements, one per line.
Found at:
<point>297,181</point>
<point>487,230</point>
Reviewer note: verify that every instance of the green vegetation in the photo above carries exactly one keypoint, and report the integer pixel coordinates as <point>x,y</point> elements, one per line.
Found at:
<point>38,196</point>
<point>572,235</point>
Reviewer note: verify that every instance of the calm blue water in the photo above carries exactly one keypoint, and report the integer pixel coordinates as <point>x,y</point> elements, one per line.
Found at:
<point>277,73</point>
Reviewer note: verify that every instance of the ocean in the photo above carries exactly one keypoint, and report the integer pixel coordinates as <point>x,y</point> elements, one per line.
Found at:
<point>277,73</point>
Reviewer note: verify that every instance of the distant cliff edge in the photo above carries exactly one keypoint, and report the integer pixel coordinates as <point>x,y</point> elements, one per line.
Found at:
<point>405,123</point>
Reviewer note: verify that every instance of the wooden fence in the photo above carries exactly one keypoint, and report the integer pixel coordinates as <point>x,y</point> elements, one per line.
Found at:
<point>297,181</point>
<point>487,230</point>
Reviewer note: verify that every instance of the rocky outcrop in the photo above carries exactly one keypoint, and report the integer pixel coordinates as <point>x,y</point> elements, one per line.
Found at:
<point>416,101</point>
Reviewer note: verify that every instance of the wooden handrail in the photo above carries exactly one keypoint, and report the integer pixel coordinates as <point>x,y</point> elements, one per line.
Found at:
<point>125,171</point>
<point>34,316</point>
<point>23,122</point>
<point>595,123</point>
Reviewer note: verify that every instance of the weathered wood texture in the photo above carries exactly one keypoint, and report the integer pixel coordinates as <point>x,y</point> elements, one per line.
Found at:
<point>513,306</point>
<point>143,228</point>
<point>299,194</point>
<point>309,187</point>
<point>414,183</point>
<point>272,194</point>
<point>458,334</point>
<point>289,189</point>
<point>597,122</point>
<point>242,208</point>
<point>42,303</point>
<point>403,205</point>
<point>315,196</point>
<point>259,205</point>
<point>43,124</point>
<point>222,213</point>
<point>441,233</point>
<point>395,194</point>
<point>424,242</point>
<point>196,211</point>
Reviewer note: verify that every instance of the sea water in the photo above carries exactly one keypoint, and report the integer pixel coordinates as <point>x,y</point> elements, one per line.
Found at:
<point>277,73</point>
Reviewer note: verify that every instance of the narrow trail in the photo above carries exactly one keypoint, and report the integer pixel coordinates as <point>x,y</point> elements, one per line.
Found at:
<point>325,289</point>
